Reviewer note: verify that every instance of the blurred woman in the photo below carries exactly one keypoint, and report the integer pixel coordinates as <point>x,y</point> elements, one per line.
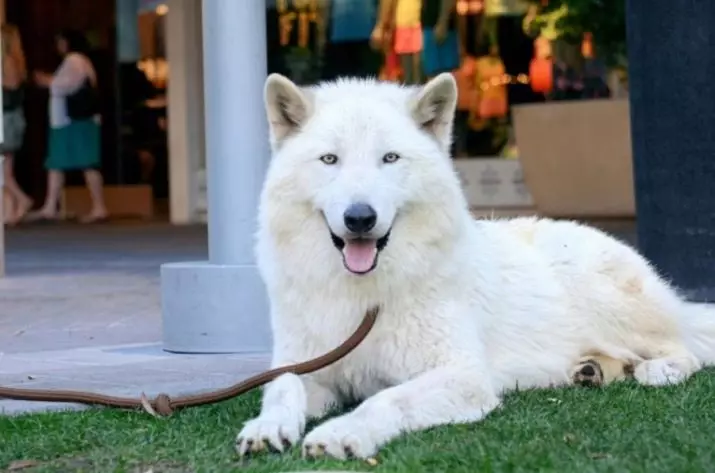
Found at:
<point>14,75</point>
<point>74,141</point>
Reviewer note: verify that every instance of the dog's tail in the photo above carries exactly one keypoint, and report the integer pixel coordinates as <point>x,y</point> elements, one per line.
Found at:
<point>699,321</point>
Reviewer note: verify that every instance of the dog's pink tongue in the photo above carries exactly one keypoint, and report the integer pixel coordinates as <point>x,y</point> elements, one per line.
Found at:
<point>359,255</point>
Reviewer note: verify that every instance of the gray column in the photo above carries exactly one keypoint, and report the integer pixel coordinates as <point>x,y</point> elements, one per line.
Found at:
<point>236,128</point>
<point>670,52</point>
<point>220,306</point>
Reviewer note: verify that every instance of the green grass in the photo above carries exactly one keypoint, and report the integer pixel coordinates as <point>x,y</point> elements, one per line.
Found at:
<point>623,428</point>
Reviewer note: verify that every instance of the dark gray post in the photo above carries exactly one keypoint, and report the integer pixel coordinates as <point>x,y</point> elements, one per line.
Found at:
<point>671,54</point>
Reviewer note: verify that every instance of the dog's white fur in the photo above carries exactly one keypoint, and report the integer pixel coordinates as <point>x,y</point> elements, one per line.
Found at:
<point>469,309</point>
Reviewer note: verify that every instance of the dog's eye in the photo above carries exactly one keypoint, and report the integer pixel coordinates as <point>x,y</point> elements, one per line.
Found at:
<point>329,159</point>
<point>390,158</point>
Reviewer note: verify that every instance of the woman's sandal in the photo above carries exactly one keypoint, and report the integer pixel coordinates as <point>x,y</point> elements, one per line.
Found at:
<point>40,218</point>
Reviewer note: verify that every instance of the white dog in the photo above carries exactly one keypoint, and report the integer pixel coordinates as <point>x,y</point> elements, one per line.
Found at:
<point>362,207</point>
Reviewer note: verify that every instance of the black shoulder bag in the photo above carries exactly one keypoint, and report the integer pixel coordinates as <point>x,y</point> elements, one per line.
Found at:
<point>84,103</point>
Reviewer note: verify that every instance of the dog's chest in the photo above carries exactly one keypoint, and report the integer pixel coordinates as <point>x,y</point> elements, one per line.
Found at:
<point>390,355</point>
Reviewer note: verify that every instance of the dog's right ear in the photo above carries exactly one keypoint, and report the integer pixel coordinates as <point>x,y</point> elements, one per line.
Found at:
<point>433,108</point>
<point>287,107</point>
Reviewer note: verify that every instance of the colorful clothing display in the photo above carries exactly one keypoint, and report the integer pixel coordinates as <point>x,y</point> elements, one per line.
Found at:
<point>430,12</point>
<point>493,100</point>
<point>492,47</point>
<point>408,27</point>
<point>408,13</point>
<point>408,39</point>
<point>505,7</point>
<point>352,20</point>
<point>438,56</point>
<point>467,86</point>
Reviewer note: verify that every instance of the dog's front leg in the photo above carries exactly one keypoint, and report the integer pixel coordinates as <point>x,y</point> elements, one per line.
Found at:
<point>441,396</point>
<point>287,402</point>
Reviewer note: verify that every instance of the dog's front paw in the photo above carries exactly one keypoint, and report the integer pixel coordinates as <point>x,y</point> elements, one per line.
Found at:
<point>275,430</point>
<point>341,438</point>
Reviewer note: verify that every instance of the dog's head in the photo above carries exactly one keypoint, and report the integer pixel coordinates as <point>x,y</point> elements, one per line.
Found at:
<point>368,158</point>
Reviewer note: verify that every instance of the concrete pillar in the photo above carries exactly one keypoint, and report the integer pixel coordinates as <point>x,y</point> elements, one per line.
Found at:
<point>186,107</point>
<point>236,128</point>
<point>670,58</point>
<point>220,306</point>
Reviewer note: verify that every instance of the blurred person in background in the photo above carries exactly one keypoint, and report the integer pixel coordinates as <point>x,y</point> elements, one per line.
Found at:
<point>14,75</point>
<point>74,140</point>
<point>441,49</point>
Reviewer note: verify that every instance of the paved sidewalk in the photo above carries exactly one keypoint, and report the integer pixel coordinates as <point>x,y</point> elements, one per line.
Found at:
<point>80,309</point>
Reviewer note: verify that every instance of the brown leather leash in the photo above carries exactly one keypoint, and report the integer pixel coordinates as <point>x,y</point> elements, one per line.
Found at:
<point>163,405</point>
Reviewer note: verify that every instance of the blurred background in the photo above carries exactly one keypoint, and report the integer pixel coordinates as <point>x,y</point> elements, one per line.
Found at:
<point>543,119</point>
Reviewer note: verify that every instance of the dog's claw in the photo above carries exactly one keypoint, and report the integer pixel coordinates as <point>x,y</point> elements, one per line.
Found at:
<point>268,445</point>
<point>314,451</point>
<point>243,446</point>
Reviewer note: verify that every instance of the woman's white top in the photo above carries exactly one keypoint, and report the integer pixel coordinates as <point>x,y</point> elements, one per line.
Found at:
<point>68,78</point>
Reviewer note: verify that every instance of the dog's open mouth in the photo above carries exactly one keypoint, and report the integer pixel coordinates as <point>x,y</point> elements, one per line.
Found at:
<point>360,254</point>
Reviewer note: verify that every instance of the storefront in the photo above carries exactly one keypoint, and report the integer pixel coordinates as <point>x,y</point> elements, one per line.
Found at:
<point>505,54</point>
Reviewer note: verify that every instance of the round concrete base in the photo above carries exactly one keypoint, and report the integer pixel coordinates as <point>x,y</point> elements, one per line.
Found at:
<point>209,308</point>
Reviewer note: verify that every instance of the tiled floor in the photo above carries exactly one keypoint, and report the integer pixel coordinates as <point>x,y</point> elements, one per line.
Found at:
<point>79,309</point>
<point>71,286</point>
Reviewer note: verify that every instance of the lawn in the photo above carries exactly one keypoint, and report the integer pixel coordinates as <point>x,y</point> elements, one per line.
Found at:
<point>623,428</point>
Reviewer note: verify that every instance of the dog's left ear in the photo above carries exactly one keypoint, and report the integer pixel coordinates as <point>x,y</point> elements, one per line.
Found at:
<point>433,108</point>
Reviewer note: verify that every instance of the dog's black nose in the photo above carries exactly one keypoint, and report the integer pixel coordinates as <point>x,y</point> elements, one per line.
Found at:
<point>360,218</point>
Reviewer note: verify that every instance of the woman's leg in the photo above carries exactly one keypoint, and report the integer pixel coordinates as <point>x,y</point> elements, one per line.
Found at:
<point>416,68</point>
<point>95,184</point>
<point>7,196</point>
<point>55,182</point>
<point>7,203</point>
<point>410,64</point>
<point>10,182</point>
<point>22,203</point>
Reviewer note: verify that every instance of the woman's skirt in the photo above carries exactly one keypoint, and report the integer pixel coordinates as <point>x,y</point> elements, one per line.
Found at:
<point>13,131</point>
<point>75,146</point>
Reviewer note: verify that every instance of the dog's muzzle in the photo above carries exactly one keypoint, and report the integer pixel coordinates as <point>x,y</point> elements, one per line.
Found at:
<point>360,254</point>
<point>360,246</point>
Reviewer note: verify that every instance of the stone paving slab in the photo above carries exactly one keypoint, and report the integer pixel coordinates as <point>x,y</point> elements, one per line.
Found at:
<point>80,309</point>
<point>71,286</point>
<point>122,370</point>
<point>65,311</point>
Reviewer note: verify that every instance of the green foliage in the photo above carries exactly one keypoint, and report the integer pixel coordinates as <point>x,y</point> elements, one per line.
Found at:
<point>605,19</point>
